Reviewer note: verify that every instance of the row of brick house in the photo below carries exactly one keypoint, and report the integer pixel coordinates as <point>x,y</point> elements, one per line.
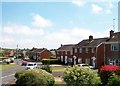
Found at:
<point>35,53</point>
<point>39,53</point>
<point>93,51</point>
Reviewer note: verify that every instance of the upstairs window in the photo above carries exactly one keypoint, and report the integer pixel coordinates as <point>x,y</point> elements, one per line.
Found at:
<point>92,50</point>
<point>71,52</point>
<point>80,50</point>
<point>115,47</point>
<point>86,49</point>
<point>75,50</point>
<point>66,52</point>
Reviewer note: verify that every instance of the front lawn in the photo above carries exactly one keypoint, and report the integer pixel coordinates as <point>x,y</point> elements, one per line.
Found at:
<point>58,69</point>
<point>6,66</point>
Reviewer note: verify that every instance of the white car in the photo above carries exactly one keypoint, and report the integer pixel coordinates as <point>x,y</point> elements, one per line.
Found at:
<point>31,65</point>
<point>85,66</point>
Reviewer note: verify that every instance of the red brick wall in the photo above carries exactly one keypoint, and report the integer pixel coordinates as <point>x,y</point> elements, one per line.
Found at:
<point>46,54</point>
<point>100,55</point>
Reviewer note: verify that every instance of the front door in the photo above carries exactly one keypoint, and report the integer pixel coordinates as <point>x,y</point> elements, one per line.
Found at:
<point>74,59</point>
<point>65,59</point>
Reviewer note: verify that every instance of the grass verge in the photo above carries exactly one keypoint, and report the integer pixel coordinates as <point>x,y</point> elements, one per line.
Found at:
<point>6,66</point>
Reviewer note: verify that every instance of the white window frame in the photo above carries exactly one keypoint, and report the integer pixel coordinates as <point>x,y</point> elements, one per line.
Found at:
<point>114,62</point>
<point>80,50</point>
<point>79,60</point>
<point>69,59</point>
<point>87,60</point>
<point>71,52</point>
<point>92,50</point>
<point>115,47</point>
<point>75,50</point>
<point>66,52</point>
<point>86,50</point>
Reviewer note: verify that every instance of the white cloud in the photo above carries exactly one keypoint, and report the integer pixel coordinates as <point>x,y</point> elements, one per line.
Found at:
<point>24,39</point>
<point>79,2</point>
<point>40,21</point>
<point>96,9</point>
<point>22,30</point>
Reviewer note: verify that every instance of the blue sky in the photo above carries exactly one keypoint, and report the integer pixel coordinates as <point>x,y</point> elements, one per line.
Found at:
<point>49,24</point>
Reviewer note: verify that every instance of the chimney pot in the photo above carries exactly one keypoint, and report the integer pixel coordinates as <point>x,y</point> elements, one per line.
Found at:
<point>90,38</point>
<point>111,33</point>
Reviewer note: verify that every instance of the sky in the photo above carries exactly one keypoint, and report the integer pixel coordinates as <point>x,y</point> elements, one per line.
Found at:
<point>49,24</point>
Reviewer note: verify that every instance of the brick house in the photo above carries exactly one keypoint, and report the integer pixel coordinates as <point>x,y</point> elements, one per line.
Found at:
<point>89,51</point>
<point>112,49</point>
<point>39,54</point>
<point>64,53</point>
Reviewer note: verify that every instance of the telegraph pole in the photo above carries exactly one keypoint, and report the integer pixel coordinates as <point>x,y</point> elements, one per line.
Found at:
<point>114,24</point>
<point>17,54</point>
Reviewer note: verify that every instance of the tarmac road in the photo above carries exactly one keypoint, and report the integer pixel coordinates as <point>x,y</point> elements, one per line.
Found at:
<point>8,75</point>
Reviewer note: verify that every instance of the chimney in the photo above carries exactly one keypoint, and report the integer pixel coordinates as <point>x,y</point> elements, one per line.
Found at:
<point>111,33</point>
<point>61,45</point>
<point>90,38</point>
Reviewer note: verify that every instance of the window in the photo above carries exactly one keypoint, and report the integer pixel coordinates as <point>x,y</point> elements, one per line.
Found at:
<point>114,62</point>
<point>115,47</point>
<point>75,50</point>
<point>61,58</point>
<point>86,49</point>
<point>80,50</point>
<point>79,60</point>
<point>66,52</point>
<point>69,59</point>
<point>87,61</point>
<point>92,50</point>
<point>71,52</point>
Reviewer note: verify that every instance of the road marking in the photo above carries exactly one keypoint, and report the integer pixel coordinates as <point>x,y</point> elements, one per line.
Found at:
<point>7,76</point>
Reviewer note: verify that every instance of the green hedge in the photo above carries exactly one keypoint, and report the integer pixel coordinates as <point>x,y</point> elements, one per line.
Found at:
<point>114,80</point>
<point>79,76</point>
<point>34,77</point>
<point>50,61</point>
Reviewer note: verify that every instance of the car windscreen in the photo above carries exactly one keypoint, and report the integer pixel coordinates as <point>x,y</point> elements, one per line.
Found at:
<point>30,64</point>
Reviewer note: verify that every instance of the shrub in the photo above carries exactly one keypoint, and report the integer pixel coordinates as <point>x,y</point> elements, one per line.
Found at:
<point>47,68</point>
<point>107,71</point>
<point>50,61</point>
<point>34,77</point>
<point>114,80</point>
<point>80,76</point>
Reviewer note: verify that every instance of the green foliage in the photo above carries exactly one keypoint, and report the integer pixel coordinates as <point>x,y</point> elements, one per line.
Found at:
<point>114,80</point>
<point>47,68</point>
<point>50,61</point>
<point>80,76</point>
<point>34,77</point>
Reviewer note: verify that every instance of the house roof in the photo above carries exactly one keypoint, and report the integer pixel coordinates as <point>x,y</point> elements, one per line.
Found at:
<point>115,37</point>
<point>93,43</point>
<point>37,49</point>
<point>67,47</point>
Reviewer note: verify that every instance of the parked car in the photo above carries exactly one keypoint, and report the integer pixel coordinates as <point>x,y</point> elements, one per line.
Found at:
<point>31,65</point>
<point>85,66</point>
<point>6,61</point>
<point>24,63</point>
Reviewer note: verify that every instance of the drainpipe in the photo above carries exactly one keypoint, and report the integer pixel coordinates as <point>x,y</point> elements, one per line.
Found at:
<point>104,54</point>
<point>96,56</point>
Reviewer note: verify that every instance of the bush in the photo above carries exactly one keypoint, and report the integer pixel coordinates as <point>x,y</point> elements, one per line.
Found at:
<point>107,71</point>
<point>80,76</point>
<point>50,61</point>
<point>114,80</point>
<point>34,77</point>
<point>47,68</point>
